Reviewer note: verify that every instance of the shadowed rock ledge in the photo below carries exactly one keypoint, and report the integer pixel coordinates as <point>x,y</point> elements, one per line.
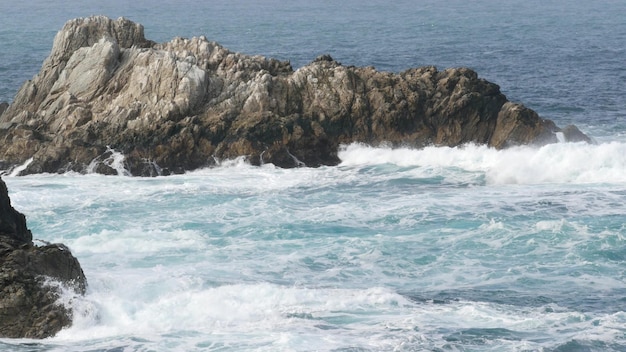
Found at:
<point>186,103</point>
<point>30,277</point>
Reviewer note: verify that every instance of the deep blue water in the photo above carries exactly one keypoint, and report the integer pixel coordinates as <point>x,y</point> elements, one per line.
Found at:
<point>440,249</point>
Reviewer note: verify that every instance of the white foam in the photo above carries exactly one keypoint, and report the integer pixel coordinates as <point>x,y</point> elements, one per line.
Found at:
<point>114,160</point>
<point>18,169</point>
<point>136,240</point>
<point>265,258</point>
<point>165,304</point>
<point>293,318</point>
<point>554,163</point>
<point>550,225</point>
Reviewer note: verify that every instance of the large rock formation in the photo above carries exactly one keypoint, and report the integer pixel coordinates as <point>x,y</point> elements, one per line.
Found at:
<point>30,277</point>
<point>186,103</point>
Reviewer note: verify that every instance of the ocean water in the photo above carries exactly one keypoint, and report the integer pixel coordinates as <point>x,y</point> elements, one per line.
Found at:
<point>438,249</point>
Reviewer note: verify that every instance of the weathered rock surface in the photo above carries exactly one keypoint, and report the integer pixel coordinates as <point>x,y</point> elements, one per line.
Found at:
<point>3,106</point>
<point>183,104</point>
<point>29,278</point>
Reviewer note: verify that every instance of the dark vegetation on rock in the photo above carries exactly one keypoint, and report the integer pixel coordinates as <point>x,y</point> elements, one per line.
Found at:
<point>31,277</point>
<point>186,103</point>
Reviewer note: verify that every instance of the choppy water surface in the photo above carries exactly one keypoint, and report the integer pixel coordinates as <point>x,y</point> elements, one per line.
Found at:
<point>440,249</point>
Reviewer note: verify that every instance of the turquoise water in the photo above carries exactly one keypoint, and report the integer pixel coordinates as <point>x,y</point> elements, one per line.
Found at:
<point>440,249</point>
<point>460,249</point>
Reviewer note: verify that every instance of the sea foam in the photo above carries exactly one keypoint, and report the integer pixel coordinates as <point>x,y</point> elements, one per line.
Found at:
<point>239,257</point>
<point>554,163</point>
<point>292,318</point>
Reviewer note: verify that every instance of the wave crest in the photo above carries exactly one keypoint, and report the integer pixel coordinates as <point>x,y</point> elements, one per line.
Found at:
<point>554,163</point>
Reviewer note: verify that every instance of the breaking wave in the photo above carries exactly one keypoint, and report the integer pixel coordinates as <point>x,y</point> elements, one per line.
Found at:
<point>554,163</point>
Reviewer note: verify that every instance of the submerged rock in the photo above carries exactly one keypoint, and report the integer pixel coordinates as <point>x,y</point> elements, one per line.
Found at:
<point>183,104</point>
<point>31,278</point>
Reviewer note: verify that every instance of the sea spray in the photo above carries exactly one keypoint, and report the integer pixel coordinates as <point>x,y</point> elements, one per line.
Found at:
<point>17,170</point>
<point>392,249</point>
<point>112,159</point>
<point>471,250</point>
<point>553,163</point>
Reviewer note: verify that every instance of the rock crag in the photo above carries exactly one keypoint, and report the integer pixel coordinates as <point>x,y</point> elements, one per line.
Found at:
<point>186,103</point>
<point>30,277</point>
<point>3,106</point>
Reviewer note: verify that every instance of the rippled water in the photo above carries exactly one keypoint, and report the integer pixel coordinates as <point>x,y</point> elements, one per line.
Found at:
<point>440,249</point>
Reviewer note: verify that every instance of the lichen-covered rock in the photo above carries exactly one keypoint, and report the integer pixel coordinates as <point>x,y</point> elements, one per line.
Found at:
<point>31,278</point>
<point>183,104</point>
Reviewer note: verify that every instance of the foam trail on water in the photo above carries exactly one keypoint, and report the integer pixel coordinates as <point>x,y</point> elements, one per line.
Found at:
<point>168,303</point>
<point>293,318</point>
<point>239,257</point>
<point>554,163</point>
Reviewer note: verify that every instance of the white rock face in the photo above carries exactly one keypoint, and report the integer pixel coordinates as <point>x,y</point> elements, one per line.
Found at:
<point>87,70</point>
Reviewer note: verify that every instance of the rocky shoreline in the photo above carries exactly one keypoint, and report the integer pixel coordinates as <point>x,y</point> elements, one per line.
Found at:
<point>184,104</point>
<point>32,279</point>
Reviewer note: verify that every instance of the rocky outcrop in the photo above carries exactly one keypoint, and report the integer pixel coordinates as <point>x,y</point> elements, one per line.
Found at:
<point>186,103</point>
<point>31,278</point>
<point>3,106</point>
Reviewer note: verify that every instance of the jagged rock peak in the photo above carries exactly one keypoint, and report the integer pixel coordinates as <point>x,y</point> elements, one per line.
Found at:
<point>323,58</point>
<point>86,31</point>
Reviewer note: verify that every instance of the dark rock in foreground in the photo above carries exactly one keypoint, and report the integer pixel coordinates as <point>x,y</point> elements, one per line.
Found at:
<point>181,105</point>
<point>30,277</point>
